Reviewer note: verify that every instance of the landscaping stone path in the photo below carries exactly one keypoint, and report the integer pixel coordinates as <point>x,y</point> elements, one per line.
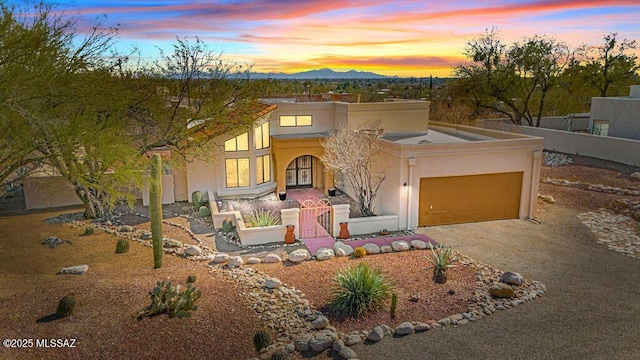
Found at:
<point>589,310</point>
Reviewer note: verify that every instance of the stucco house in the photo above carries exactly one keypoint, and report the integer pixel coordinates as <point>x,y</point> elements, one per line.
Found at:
<point>616,116</point>
<point>436,173</point>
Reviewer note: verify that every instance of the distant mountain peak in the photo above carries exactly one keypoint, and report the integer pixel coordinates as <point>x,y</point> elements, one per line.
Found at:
<point>324,73</point>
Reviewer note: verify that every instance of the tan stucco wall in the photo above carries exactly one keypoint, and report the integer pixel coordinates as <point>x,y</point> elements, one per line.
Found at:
<point>286,150</point>
<point>456,159</point>
<point>49,191</point>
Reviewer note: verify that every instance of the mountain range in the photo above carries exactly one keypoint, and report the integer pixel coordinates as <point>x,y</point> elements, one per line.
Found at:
<point>325,73</point>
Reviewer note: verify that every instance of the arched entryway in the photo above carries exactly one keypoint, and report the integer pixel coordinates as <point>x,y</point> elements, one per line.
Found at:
<point>300,172</point>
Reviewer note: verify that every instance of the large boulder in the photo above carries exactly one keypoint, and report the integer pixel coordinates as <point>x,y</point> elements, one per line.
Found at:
<point>371,248</point>
<point>301,342</point>
<point>235,261</point>
<point>512,278</point>
<point>272,283</point>
<point>299,255</point>
<point>322,340</point>
<point>400,245</point>
<point>324,254</point>
<point>220,258</point>
<point>342,249</point>
<point>193,250</point>
<point>376,334</point>
<point>404,328</point>
<point>272,258</point>
<point>74,270</point>
<point>501,291</point>
<point>418,244</point>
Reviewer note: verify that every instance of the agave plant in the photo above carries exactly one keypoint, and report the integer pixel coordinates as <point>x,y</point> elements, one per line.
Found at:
<point>441,259</point>
<point>358,290</point>
<point>261,217</point>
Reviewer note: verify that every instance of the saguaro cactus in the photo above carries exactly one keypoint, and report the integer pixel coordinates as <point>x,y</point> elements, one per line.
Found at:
<point>155,209</point>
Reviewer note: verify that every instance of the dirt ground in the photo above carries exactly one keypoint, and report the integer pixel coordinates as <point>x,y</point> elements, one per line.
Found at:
<point>115,287</point>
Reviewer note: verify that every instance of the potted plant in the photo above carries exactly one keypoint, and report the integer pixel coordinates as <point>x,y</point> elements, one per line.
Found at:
<point>282,195</point>
<point>441,259</point>
<point>332,191</point>
<point>344,231</point>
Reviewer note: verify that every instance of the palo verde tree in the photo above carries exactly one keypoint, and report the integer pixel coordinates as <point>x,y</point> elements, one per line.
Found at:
<point>63,107</point>
<point>352,152</point>
<point>514,79</point>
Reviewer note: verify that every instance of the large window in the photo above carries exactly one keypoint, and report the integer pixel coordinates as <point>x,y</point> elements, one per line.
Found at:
<point>601,127</point>
<point>238,143</point>
<point>263,169</point>
<point>237,171</point>
<point>295,120</point>
<point>261,134</point>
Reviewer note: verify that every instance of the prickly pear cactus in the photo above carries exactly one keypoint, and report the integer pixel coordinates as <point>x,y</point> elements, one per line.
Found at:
<point>155,209</point>
<point>66,306</point>
<point>196,198</point>
<point>173,300</point>
<point>261,340</point>
<point>227,225</point>
<point>204,211</point>
<point>122,246</point>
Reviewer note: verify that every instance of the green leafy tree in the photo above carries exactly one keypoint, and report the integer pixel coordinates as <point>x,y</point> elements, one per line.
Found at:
<point>513,80</point>
<point>611,63</point>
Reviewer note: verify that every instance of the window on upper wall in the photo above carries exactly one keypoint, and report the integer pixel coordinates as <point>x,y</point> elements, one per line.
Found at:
<point>238,143</point>
<point>296,120</point>
<point>261,134</point>
<point>263,169</point>
<point>237,171</point>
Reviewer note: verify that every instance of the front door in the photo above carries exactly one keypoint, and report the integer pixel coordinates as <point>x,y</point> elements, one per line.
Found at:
<point>299,172</point>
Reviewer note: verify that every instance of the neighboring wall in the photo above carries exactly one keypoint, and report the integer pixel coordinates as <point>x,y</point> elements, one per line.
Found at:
<point>602,147</point>
<point>623,114</point>
<point>48,191</point>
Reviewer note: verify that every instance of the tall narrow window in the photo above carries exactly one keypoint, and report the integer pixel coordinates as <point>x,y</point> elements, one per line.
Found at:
<point>263,169</point>
<point>237,171</point>
<point>238,143</point>
<point>261,135</point>
<point>296,120</point>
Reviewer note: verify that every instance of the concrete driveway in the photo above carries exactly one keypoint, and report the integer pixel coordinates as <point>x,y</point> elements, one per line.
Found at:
<point>591,309</point>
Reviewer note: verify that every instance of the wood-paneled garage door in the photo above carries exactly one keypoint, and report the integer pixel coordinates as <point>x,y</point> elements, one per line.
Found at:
<point>461,199</point>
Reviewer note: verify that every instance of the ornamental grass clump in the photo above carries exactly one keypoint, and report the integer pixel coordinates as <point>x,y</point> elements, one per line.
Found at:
<point>261,218</point>
<point>441,259</point>
<point>359,290</point>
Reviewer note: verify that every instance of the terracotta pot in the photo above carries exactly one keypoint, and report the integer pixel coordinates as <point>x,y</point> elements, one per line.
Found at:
<point>290,236</point>
<point>344,232</point>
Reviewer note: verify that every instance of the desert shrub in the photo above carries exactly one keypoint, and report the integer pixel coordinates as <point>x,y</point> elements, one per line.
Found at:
<point>88,231</point>
<point>262,217</point>
<point>358,290</point>
<point>441,259</point>
<point>172,300</point>
<point>261,340</point>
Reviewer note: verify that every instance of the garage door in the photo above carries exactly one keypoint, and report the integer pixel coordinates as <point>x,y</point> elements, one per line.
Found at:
<point>461,199</point>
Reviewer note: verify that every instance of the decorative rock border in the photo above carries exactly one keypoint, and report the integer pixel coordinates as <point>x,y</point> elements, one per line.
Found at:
<point>614,231</point>
<point>626,207</point>
<point>592,187</point>
<point>300,327</point>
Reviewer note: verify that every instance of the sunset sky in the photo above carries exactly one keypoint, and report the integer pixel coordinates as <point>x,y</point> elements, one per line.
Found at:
<point>404,38</point>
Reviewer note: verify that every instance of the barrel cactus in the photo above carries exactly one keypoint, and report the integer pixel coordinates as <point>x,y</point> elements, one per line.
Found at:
<point>122,246</point>
<point>261,340</point>
<point>204,211</point>
<point>66,306</point>
<point>191,279</point>
<point>227,225</point>
<point>359,252</point>
<point>196,198</point>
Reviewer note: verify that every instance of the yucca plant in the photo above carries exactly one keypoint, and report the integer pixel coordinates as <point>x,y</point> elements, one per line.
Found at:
<point>262,217</point>
<point>441,259</point>
<point>358,290</point>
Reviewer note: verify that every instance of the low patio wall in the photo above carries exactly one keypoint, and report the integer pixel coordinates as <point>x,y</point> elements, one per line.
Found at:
<point>363,225</point>
<point>259,235</point>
